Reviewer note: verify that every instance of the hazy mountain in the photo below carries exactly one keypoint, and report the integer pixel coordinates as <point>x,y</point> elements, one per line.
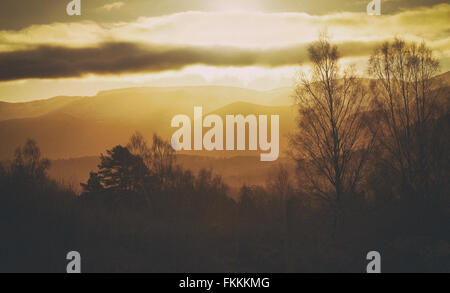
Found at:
<point>75,127</point>
<point>33,109</point>
<point>443,79</point>
<point>287,117</point>
<point>61,135</point>
<point>68,127</point>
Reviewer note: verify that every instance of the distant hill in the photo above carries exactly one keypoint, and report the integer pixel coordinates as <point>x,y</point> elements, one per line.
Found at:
<point>33,109</point>
<point>443,79</point>
<point>67,127</point>
<point>75,127</point>
<point>287,116</point>
<point>144,101</point>
<point>61,135</point>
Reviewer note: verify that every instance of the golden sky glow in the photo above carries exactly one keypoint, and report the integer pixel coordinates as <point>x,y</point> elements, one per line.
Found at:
<point>232,44</point>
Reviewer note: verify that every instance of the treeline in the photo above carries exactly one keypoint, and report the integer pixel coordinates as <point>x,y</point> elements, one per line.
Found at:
<point>373,169</point>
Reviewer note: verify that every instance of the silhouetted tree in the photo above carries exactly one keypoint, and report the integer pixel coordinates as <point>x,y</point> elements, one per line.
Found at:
<point>28,163</point>
<point>138,146</point>
<point>280,185</point>
<point>119,170</point>
<point>408,114</point>
<point>332,143</point>
<point>2,171</point>
<point>160,158</point>
<point>208,183</point>
<point>182,179</point>
<point>163,159</point>
<point>280,182</point>
<point>94,183</point>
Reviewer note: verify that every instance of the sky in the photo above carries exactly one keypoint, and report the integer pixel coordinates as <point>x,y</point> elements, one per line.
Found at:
<point>258,44</point>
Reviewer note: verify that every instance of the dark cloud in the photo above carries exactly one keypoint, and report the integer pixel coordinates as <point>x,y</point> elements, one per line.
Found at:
<point>17,14</point>
<point>119,58</point>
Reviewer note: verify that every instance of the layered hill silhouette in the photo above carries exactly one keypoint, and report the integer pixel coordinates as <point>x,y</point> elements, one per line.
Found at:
<point>84,126</point>
<point>34,108</point>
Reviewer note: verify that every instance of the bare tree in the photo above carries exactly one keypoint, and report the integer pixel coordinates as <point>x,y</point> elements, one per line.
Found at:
<point>163,158</point>
<point>332,142</point>
<point>138,146</point>
<point>408,111</point>
<point>160,158</point>
<point>28,162</point>
<point>280,184</point>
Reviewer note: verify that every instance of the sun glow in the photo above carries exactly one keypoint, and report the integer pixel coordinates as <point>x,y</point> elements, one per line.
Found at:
<point>236,6</point>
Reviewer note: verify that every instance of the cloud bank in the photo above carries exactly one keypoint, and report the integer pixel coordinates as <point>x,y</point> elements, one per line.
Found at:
<point>118,58</point>
<point>240,29</point>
